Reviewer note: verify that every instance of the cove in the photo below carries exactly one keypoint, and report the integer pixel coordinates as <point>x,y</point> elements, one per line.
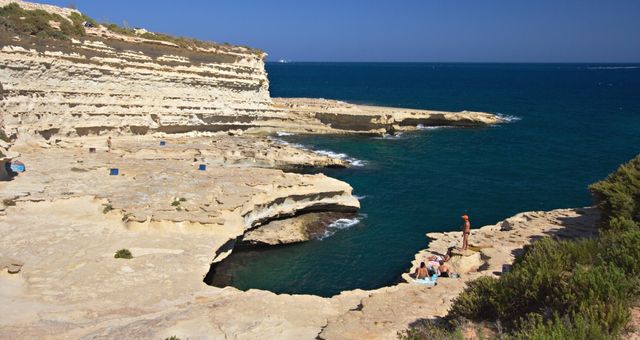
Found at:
<point>573,124</point>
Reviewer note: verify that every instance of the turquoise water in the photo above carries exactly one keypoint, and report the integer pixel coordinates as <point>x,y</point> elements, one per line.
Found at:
<point>576,124</point>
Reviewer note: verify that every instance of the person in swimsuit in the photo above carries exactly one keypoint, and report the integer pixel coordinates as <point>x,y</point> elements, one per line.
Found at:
<point>421,272</point>
<point>109,144</point>
<point>444,270</point>
<point>466,230</point>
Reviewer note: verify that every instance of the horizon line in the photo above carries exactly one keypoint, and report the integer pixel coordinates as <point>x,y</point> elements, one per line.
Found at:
<point>452,62</point>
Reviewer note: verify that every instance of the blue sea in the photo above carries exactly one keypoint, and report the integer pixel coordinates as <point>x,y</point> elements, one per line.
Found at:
<point>570,125</point>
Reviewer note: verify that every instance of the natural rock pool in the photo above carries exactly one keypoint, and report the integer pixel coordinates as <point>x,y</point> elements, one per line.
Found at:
<point>573,124</point>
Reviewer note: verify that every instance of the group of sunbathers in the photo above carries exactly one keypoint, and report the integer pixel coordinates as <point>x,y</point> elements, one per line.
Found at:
<point>437,266</point>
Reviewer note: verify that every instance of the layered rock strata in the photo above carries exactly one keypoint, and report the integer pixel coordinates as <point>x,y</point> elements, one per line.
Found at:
<point>98,85</point>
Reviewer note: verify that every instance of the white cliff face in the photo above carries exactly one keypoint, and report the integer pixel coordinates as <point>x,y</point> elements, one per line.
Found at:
<point>97,85</point>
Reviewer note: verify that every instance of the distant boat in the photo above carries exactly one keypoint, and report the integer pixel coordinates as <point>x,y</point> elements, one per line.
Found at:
<point>283,61</point>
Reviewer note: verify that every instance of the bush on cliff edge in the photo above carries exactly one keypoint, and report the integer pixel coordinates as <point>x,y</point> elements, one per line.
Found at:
<point>618,197</point>
<point>579,289</point>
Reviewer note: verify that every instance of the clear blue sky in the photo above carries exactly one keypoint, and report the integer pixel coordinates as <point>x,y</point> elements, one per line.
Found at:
<point>409,30</point>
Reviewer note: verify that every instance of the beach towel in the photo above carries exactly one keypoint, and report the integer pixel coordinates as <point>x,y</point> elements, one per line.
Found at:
<point>429,281</point>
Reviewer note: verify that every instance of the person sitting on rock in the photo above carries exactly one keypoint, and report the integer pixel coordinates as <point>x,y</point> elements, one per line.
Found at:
<point>421,272</point>
<point>444,270</point>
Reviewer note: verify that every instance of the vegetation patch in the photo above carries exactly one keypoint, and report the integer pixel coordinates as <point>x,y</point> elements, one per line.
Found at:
<point>107,208</point>
<point>9,202</point>
<point>176,203</point>
<point>126,217</point>
<point>4,137</point>
<point>123,254</point>
<point>38,23</point>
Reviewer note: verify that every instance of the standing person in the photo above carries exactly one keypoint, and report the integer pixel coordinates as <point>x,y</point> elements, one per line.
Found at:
<point>466,230</point>
<point>109,144</point>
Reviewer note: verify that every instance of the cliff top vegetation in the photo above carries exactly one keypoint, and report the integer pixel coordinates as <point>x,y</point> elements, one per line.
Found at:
<point>46,25</point>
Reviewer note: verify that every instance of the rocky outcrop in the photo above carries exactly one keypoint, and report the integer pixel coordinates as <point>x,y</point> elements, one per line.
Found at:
<point>341,117</point>
<point>296,229</point>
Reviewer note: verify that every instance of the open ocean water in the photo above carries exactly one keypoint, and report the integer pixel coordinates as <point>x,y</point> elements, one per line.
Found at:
<point>571,125</point>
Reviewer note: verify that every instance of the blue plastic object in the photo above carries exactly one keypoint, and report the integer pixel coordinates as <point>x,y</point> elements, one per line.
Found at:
<point>202,167</point>
<point>17,167</point>
<point>114,172</point>
<point>163,143</point>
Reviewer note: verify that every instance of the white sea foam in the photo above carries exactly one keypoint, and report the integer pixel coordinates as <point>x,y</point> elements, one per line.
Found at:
<point>342,156</point>
<point>283,142</point>
<point>356,162</point>
<point>422,127</point>
<point>508,118</point>
<point>360,198</point>
<point>340,224</point>
<point>282,134</point>
<point>398,135</point>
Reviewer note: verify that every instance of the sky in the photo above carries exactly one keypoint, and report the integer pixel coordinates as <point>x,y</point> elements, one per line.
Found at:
<point>395,31</point>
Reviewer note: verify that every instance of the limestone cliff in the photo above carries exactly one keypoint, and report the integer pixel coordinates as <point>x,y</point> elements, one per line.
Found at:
<point>105,81</point>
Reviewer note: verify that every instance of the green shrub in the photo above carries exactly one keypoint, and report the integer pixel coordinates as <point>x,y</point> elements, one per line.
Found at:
<point>107,208</point>
<point>36,23</point>
<point>429,330</point>
<point>120,30</point>
<point>618,196</point>
<point>4,137</point>
<point>123,254</point>
<point>575,328</point>
<point>585,277</point>
<point>622,250</point>
<point>477,301</point>
<point>540,280</point>
<point>79,19</point>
